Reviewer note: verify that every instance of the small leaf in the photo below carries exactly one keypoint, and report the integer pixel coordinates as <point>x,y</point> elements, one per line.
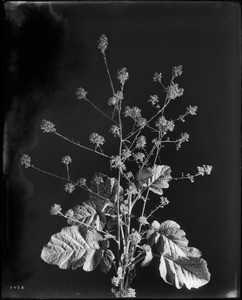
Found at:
<point>191,272</point>
<point>107,260</point>
<point>148,257</point>
<point>106,188</point>
<point>156,178</point>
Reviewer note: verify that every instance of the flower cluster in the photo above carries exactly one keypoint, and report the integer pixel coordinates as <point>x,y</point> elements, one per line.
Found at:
<point>47,126</point>
<point>184,138</point>
<point>191,110</point>
<point>156,142</point>
<point>154,100</point>
<point>173,91</point>
<point>81,93</point>
<point>139,157</point>
<point>143,220</point>
<point>126,153</point>
<point>97,139</point>
<point>25,160</point>
<point>97,179</point>
<point>66,160</point>
<point>133,112</point>
<point>157,77</point>
<point>69,187</point>
<point>164,201</point>
<point>135,237</point>
<point>176,71</point>
<point>141,142</point>
<point>117,163</point>
<point>205,169</point>
<point>164,125</point>
<point>116,98</point>
<point>55,209</point>
<point>103,43</point>
<point>81,181</point>
<point>122,75</point>
<point>115,130</point>
<point>124,209</point>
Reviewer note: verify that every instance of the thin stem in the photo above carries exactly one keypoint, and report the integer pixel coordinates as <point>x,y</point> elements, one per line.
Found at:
<point>153,211</point>
<point>98,109</point>
<point>68,180</point>
<point>67,171</point>
<point>107,68</point>
<point>79,145</point>
<point>143,209</point>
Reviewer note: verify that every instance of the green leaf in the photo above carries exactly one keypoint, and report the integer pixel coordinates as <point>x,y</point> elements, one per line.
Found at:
<point>155,178</point>
<point>87,213</point>
<point>106,189</point>
<point>107,260</point>
<point>179,264</point>
<point>191,272</point>
<point>148,257</point>
<point>71,248</point>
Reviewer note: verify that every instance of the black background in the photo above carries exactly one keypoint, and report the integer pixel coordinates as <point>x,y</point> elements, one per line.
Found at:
<point>51,51</point>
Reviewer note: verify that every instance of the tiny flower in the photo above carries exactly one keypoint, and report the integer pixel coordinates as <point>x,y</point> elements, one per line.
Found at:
<point>116,162</point>
<point>66,159</point>
<point>97,179</point>
<point>139,157</point>
<point>153,99</point>
<point>25,160</point>
<point>123,75</point>
<point>157,77</point>
<point>141,122</point>
<point>126,153</point>
<point>47,126</point>
<point>205,169</point>
<point>69,213</point>
<point>132,189</point>
<point>141,142</point>
<point>156,142</point>
<point>131,293</point>
<point>124,209</point>
<point>81,181</point>
<point>103,43</point>
<point>192,110</point>
<point>184,138</point>
<point>81,93</point>
<point>115,130</point>
<point>97,139</point>
<point>176,71</point>
<point>164,201</point>
<point>114,100</point>
<point>115,281</point>
<point>165,125</point>
<point>143,220</point>
<point>69,187</point>
<point>134,112</point>
<point>135,237</point>
<point>174,91</point>
<point>55,209</point>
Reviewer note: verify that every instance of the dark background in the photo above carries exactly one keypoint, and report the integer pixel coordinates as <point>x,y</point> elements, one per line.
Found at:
<point>52,50</point>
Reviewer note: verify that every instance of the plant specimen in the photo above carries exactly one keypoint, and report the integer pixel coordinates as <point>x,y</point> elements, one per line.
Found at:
<point>105,230</point>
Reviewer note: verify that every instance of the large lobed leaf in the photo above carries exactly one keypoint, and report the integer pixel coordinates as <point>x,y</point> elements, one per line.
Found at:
<point>179,264</point>
<point>155,178</point>
<point>71,248</point>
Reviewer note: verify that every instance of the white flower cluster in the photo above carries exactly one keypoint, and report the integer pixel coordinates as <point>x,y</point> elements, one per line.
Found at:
<point>66,160</point>
<point>25,160</point>
<point>164,125</point>
<point>55,209</point>
<point>103,43</point>
<point>69,187</point>
<point>47,126</point>
<point>97,139</point>
<point>81,93</point>
<point>122,75</point>
<point>205,169</point>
